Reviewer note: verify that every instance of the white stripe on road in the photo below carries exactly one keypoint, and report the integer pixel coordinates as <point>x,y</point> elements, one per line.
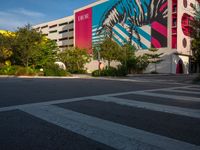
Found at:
<point>181,91</point>
<point>191,88</point>
<point>151,106</point>
<point>176,97</point>
<point>9,108</point>
<point>112,134</point>
<point>195,86</point>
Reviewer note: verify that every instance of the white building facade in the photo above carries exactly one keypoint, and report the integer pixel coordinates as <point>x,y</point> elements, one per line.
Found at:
<point>61,31</point>
<point>164,25</point>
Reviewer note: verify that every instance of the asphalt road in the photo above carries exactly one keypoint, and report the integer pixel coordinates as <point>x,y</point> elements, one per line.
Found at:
<point>99,114</point>
<point>17,91</point>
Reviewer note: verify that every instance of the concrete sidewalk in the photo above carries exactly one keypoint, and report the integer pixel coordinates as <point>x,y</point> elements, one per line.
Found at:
<point>166,78</point>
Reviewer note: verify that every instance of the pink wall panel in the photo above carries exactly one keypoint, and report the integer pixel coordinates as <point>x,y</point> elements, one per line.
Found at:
<point>83,29</point>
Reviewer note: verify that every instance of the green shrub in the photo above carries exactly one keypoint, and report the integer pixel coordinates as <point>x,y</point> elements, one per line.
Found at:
<point>54,70</point>
<point>25,71</point>
<point>141,64</point>
<point>77,71</point>
<point>74,59</point>
<point>121,70</point>
<point>7,70</point>
<point>18,71</point>
<point>111,71</point>
<point>96,73</point>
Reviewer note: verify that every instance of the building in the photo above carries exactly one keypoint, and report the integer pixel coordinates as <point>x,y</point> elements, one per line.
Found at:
<point>61,31</point>
<point>162,24</point>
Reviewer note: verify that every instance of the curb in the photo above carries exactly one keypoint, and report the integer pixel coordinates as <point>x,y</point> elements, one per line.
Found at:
<point>38,77</point>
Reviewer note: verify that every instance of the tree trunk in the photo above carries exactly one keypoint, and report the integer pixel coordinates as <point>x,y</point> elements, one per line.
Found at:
<point>131,35</point>
<point>78,67</point>
<point>26,62</point>
<point>108,64</point>
<point>155,67</point>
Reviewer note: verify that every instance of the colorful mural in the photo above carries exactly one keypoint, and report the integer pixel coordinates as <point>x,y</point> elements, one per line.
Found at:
<point>140,22</point>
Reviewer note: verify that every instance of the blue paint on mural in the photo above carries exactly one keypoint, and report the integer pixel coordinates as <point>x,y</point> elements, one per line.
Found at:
<point>99,10</point>
<point>128,20</point>
<point>144,34</point>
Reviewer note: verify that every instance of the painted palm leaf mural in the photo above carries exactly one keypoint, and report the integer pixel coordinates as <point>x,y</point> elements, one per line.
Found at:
<point>140,22</point>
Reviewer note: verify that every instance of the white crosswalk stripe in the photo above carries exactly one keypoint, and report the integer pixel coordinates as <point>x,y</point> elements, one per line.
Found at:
<point>117,135</point>
<point>175,97</point>
<point>196,89</point>
<point>181,91</point>
<point>152,106</point>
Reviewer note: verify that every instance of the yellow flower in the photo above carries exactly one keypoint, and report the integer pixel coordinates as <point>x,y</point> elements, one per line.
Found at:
<point>7,33</point>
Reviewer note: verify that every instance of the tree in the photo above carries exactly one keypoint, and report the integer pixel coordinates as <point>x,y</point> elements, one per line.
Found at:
<point>110,51</point>
<point>154,57</point>
<point>6,39</point>
<point>141,63</point>
<point>196,34</point>
<point>128,58</point>
<point>196,49</point>
<point>25,46</point>
<point>31,48</point>
<point>74,59</point>
<point>46,53</point>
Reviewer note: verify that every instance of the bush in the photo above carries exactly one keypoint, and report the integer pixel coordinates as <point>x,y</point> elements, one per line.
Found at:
<point>54,70</point>
<point>7,70</point>
<point>26,71</point>
<point>74,59</point>
<point>111,71</point>
<point>141,64</point>
<point>18,71</point>
<point>121,70</point>
<point>96,73</point>
<point>77,71</point>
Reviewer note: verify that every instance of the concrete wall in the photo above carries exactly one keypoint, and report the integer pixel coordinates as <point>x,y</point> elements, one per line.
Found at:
<point>181,37</point>
<point>171,56</point>
<point>64,27</point>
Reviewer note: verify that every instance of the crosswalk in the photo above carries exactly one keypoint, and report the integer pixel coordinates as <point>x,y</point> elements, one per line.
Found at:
<point>71,115</point>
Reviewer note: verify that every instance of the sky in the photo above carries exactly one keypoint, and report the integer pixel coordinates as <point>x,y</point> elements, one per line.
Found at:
<point>17,13</point>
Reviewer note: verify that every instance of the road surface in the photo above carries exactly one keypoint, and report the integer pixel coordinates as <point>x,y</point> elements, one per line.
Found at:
<point>98,114</point>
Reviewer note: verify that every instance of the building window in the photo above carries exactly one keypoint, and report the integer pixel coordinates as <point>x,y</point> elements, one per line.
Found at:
<point>52,26</point>
<point>185,3</point>
<point>54,31</point>
<point>71,22</point>
<point>63,46</point>
<point>71,45</point>
<point>174,23</point>
<point>71,30</point>
<point>62,39</point>
<point>44,26</point>
<point>71,38</point>
<point>62,24</point>
<point>64,31</point>
<point>45,34</point>
<point>174,8</point>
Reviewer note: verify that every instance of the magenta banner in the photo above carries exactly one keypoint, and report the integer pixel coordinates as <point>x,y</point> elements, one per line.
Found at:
<point>83,32</point>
